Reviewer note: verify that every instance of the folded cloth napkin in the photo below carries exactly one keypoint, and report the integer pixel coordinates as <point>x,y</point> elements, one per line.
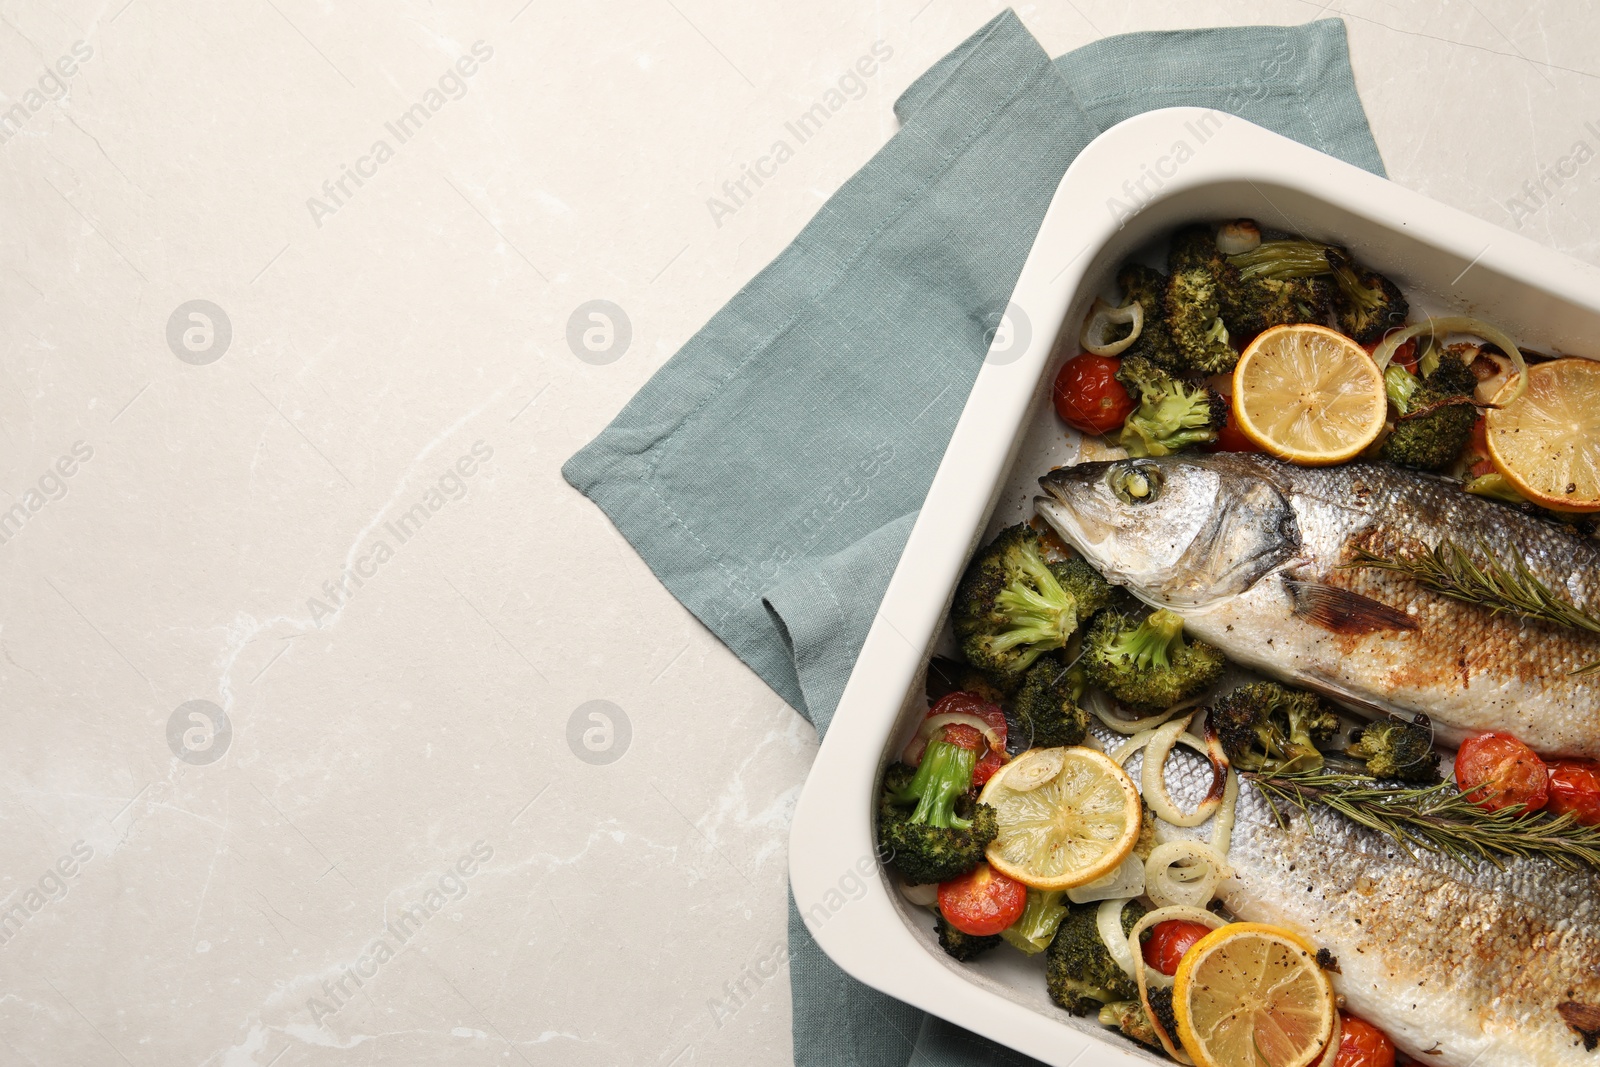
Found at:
<point>770,472</point>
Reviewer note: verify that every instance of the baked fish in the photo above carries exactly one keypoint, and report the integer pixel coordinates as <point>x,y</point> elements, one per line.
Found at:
<point>1252,553</point>
<point>1461,965</point>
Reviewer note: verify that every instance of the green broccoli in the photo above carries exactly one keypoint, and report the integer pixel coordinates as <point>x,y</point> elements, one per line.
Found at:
<point>944,833</point>
<point>1147,664</point>
<point>1046,707</point>
<point>1148,287</point>
<point>1130,1017</point>
<point>1194,322</point>
<point>1368,305</point>
<point>1435,425</point>
<point>1079,970</point>
<point>1265,726</point>
<point>1194,246</point>
<point>1394,748</point>
<point>1011,607</point>
<point>1036,927</point>
<point>1250,307</point>
<point>962,946</point>
<point>1171,415</point>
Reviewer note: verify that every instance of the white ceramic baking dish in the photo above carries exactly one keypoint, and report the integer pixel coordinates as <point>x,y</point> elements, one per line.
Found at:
<point>1130,187</point>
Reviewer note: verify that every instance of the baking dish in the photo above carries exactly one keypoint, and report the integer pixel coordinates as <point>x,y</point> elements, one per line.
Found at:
<point>1131,186</point>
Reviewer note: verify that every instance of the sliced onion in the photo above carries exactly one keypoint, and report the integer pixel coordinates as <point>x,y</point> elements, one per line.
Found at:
<point>1460,324</point>
<point>1126,881</point>
<point>1167,883</point>
<point>1108,922</point>
<point>1097,326</point>
<point>925,732</point>
<point>1238,237</point>
<point>1034,768</point>
<point>1100,705</point>
<point>1154,781</point>
<point>923,896</point>
<point>1222,829</point>
<point>1148,977</point>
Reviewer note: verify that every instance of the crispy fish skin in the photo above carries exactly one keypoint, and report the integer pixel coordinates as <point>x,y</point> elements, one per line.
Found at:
<point>1251,551</point>
<point>1461,966</point>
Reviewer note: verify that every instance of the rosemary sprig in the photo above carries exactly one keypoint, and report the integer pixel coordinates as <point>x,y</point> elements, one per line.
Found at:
<point>1436,818</point>
<point>1451,571</point>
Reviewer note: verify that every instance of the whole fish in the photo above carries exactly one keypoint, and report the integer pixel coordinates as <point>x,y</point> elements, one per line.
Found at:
<point>1253,553</point>
<point>1461,965</point>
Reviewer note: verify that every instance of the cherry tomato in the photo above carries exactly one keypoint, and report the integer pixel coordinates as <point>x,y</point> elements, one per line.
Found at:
<point>1232,439</point>
<point>1405,355</point>
<point>1363,1045</point>
<point>982,902</point>
<point>1508,771</point>
<point>1088,396</point>
<point>963,703</point>
<point>1169,941</point>
<point>1575,788</point>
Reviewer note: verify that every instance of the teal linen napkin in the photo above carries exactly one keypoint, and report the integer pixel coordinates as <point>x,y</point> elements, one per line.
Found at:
<point>771,471</point>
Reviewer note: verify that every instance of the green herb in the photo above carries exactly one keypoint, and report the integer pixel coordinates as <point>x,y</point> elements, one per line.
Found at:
<point>1513,590</point>
<point>1437,818</point>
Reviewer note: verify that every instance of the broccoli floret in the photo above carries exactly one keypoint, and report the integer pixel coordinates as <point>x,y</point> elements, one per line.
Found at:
<point>1148,665</point>
<point>1194,321</point>
<point>1265,726</point>
<point>1129,1016</point>
<point>1171,415</point>
<point>946,676</point>
<point>1046,706</point>
<point>929,829</point>
<point>1161,1006</point>
<point>1079,970</point>
<point>1148,287</point>
<point>1011,608</point>
<point>1393,748</point>
<point>1193,246</point>
<point>1249,307</point>
<point>1037,925</point>
<point>962,946</point>
<point>1433,439</point>
<point>1368,305</point>
<point>1092,592</point>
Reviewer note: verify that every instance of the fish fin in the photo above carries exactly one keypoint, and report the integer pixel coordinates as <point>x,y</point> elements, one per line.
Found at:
<point>1584,1019</point>
<point>1342,611</point>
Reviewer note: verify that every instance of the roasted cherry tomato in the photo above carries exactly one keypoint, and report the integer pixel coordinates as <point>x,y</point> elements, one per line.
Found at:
<point>1575,788</point>
<point>963,703</point>
<point>1232,439</point>
<point>1363,1045</point>
<point>1508,771</point>
<point>983,902</point>
<point>1405,355</point>
<point>1089,397</point>
<point>1169,941</point>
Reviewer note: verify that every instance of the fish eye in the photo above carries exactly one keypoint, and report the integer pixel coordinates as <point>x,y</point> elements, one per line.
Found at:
<point>1135,481</point>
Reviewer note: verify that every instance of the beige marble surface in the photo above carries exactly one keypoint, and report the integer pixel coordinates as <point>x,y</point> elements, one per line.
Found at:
<point>406,846</point>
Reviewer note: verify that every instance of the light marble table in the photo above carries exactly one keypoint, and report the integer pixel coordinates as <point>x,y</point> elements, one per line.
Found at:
<point>244,348</point>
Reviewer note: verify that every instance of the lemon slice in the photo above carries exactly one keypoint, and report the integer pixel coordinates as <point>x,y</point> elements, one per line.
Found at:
<point>1077,825</point>
<point>1309,395</point>
<point>1547,441</point>
<point>1248,993</point>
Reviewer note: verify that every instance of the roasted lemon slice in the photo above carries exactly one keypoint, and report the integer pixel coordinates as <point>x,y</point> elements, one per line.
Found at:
<point>1062,829</point>
<point>1248,993</point>
<point>1547,441</point>
<point>1309,395</point>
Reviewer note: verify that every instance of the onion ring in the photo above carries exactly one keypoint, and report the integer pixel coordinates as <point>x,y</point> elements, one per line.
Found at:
<point>1196,886</point>
<point>1148,977</point>
<point>925,732</point>
<point>1100,316</point>
<point>1154,782</point>
<point>1126,881</point>
<point>1460,324</point>
<point>1108,922</point>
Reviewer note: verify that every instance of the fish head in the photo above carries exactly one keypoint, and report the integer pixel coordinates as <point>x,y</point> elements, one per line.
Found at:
<point>1177,531</point>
